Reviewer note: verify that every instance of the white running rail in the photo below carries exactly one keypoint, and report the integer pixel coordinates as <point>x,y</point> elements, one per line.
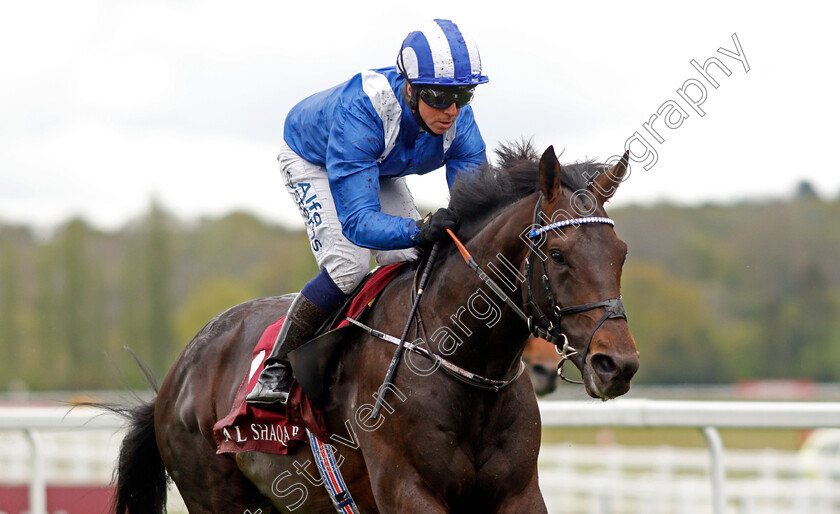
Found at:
<point>707,417</point>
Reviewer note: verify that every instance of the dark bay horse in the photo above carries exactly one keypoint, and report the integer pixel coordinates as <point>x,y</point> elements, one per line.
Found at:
<point>440,445</point>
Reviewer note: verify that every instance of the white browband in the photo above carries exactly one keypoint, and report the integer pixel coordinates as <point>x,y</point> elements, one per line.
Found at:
<point>573,221</point>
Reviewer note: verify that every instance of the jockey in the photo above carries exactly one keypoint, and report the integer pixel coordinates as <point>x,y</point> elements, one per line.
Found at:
<point>344,159</point>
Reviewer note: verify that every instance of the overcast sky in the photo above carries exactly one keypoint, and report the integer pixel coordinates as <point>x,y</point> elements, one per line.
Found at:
<point>107,104</point>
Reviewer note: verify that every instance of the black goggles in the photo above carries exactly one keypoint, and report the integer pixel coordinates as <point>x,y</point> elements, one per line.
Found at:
<point>443,98</point>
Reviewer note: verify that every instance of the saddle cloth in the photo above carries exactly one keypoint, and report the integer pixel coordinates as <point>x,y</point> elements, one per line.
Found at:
<point>247,428</point>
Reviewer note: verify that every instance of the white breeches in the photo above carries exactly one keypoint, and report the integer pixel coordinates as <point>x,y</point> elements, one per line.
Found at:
<point>346,263</point>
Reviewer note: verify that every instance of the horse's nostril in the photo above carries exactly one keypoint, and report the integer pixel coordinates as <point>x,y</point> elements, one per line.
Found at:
<point>603,365</point>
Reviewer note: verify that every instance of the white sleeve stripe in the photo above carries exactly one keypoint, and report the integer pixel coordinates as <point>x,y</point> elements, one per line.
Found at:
<point>441,53</point>
<point>386,105</point>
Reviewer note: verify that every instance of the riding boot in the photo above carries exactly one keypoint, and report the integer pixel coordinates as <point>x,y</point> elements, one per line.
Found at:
<point>302,321</point>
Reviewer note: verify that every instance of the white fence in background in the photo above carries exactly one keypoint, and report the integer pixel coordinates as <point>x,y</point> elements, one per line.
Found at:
<point>630,488</point>
<point>60,446</point>
<point>40,444</point>
<point>642,480</point>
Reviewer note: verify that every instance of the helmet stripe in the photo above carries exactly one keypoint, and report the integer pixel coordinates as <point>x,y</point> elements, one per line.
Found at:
<point>422,56</point>
<point>458,48</point>
<point>475,58</point>
<point>440,52</point>
<point>407,63</point>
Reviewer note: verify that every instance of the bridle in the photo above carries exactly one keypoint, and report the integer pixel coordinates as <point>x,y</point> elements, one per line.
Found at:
<point>539,323</point>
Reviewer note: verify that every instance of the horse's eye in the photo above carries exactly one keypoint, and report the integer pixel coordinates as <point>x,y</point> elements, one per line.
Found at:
<point>557,256</point>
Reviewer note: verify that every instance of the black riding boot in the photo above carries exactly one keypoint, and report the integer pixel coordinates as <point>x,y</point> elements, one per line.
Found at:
<point>302,321</point>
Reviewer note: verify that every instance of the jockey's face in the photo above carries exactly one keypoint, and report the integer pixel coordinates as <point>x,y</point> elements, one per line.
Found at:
<point>438,120</point>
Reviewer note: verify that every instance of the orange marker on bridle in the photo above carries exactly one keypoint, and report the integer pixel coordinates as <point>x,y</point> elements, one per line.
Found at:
<point>460,245</point>
<point>485,278</point>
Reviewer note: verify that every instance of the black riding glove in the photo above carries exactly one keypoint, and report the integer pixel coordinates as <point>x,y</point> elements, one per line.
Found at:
<point>433,226</point>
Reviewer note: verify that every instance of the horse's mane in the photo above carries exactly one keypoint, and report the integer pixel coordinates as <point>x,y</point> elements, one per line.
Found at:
<point>485,193</point>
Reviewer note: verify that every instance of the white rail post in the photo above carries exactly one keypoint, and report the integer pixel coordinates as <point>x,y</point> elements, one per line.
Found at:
<point>716,469</point>
<point>38,483</point>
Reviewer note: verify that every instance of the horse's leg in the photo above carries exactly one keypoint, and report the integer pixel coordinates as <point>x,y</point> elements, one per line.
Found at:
<point>529,501</point>
<point>406,491</point>
<point>208,482</point>
<point>398,487</point>
<point>290,482</point>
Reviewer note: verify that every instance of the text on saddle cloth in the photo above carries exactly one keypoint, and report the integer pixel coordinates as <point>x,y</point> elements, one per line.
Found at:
<point>247,428</point>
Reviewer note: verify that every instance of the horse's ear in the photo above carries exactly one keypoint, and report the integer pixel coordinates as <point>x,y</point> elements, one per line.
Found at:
<point>550,174</point>
<point>605,184</point>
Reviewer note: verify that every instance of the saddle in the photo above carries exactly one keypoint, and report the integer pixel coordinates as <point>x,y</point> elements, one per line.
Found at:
<point>311,362</point>
<point>247,428</point>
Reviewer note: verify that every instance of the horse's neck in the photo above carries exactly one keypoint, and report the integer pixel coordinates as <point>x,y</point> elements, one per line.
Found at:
<point>478,330</point>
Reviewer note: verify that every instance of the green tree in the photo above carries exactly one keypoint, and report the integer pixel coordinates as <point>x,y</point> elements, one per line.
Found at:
<point>132,300</point>
<point>47,369</point>
<point>10,297</point>
<point>158,277</point>
<point>79,307</point>
<point>146,294</point>
<point>210,298</point>
<point>71,246</point>
<point>671,324</point>
<point>798,326</point>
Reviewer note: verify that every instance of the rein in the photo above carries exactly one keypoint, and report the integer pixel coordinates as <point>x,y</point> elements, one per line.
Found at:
<point>395,360</point>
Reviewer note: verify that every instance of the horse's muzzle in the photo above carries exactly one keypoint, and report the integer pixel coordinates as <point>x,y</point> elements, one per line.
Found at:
<point>607,374</point>
<point>544,379</point>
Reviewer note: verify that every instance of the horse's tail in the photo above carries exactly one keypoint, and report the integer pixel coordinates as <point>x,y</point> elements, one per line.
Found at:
<point>140,476</point>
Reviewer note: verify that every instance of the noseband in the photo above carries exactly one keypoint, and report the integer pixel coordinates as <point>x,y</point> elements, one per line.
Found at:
<point>539,323</point>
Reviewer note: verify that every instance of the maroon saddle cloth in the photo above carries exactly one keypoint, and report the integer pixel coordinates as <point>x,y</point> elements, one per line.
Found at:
<point>247,428</point>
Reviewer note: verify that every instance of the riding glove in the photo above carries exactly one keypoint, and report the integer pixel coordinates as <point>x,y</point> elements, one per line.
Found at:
<point>433,226</point>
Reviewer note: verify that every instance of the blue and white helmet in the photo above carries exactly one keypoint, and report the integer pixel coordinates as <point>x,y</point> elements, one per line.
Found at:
<point>439,54</point>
